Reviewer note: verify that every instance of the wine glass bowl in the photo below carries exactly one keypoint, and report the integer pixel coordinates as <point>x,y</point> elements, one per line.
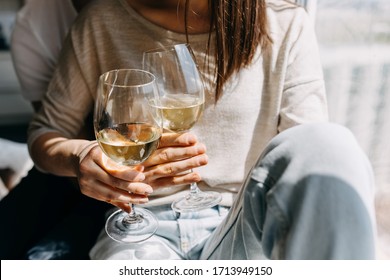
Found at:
<point>182,97</point>
<point>180,112</point>
<point>180,85</point>
<point>128,129</point>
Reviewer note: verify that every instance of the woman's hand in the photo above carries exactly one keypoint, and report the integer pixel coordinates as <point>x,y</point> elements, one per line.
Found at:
<point>103,179</point>
<point>172,162</point>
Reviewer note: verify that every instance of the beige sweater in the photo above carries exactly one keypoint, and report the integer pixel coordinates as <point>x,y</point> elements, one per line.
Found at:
<point>280,89</point>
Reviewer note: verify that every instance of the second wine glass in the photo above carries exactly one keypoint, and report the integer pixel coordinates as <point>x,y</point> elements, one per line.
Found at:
<point>128,130</point>
<point>182,100</point>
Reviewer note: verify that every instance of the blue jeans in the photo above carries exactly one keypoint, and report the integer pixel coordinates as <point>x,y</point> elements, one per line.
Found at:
<point>310,196</point>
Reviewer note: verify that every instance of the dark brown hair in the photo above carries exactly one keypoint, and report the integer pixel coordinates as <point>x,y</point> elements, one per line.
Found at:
<point>79,4</point>
<point>241,27</point>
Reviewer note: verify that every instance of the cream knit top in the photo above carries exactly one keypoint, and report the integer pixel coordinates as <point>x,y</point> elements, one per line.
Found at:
<point>282,88</point>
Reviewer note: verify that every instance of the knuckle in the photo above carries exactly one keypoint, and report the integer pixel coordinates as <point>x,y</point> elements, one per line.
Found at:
<point>164,155</point>
<point>202,148</point>
<point>164,170</point>
<point>83,181</point>
<point>203,159</point>
<point>133,188</point>
<point>168,170</point>
<point>95,151</point>
<point>115,182</point>
<point>110,198</point>
<point>83,168</point>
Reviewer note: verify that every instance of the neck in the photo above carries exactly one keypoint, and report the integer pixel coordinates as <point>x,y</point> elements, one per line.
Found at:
<point>170,14</point>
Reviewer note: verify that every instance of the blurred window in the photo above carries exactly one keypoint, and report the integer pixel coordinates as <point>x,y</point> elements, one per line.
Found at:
<point>354,42</point>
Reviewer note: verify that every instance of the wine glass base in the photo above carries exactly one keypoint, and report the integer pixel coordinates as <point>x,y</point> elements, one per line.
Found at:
<point>201,200</point>
<point>142,227</point>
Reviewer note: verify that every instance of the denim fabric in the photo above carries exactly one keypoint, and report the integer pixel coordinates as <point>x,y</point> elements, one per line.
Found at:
<point>310,196</point>
<point>177,237</point>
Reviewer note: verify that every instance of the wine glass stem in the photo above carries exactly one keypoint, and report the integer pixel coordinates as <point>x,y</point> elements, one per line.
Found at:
<point>132,211</point>
<point>132,218</point>
<point>194,189</point>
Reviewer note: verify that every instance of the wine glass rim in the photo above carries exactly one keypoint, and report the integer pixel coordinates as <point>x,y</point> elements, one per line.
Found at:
<point>149,74</point>
<point>166,48</point>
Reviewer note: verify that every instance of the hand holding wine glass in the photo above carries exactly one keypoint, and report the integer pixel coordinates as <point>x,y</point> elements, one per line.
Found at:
<point>128,130</point>
<point>181,100</point>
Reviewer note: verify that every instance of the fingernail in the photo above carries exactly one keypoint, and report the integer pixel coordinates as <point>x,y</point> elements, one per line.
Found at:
<point>140,177</point>
<point>148,191</point>
<point>143,200</point>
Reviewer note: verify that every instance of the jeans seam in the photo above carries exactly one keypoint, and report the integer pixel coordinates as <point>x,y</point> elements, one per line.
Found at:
<point>281,218</point>
<point>273,205</point>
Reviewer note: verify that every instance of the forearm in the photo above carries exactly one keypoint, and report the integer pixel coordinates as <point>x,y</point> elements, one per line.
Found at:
<point>58,155</point>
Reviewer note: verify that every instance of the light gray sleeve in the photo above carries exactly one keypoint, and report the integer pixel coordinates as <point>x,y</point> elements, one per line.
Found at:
<point>69,98</point>
<point>37,38</point>
<point>304,97</point>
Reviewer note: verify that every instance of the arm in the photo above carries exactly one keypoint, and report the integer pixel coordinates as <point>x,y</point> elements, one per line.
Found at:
<point>304,97</point>
<point>55,146</point>
<point>105,180</point>
<point>54,133</point>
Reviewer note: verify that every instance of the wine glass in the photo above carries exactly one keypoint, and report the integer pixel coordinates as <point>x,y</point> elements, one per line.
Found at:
<point>128,130</point>
<point>182,101</point>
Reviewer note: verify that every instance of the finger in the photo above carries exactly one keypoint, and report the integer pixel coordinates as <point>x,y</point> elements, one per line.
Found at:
<point>114,196</point>
<point>94,172</point>
<point>126,186</point>
<point>126,173</point>
<point>177,140</point>
<point>122,177</point>
<point>124,206</point>
<point>174,154</point>
<point>185,179</point>
<point>174,168</point>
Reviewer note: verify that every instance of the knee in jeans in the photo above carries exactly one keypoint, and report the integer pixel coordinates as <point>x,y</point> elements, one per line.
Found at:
<point>331,134</point>
<point>327,143</point>
<point>321,137</point>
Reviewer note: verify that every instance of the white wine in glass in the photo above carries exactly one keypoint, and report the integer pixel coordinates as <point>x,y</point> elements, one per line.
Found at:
<point>180,111</point>
<point>181,101</point>
<point>128,129</point>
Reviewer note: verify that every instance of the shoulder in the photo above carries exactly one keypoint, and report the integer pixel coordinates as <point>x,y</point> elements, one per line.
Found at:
<point>98,16</point>
<point>285,14</point>
<point>45,10</point>
<point>283,7</point>
<point>46,20</point>
<point>287,20</point>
